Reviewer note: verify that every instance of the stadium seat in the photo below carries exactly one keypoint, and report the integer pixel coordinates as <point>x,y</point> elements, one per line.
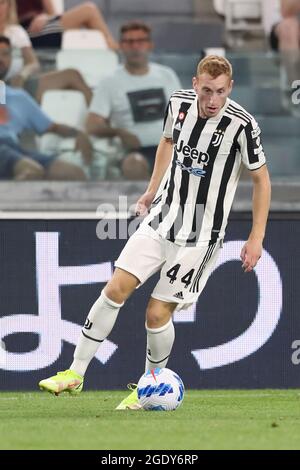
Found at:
<point>240,16</point>
<point>69,107</point>
<point>220,51</point>
<point>236,10</point>
<point>93,65</point>
<point>107,156</point>
<point>219,6</point>
<point>77,39</point>
<point>58,6</point>
<point>63,107</point>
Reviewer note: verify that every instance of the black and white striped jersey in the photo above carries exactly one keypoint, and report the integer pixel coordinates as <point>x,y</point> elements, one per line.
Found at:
<point>191,207</point>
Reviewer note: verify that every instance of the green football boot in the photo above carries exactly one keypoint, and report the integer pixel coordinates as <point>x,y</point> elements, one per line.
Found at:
<point>66,381</point>
<point>131,402</point>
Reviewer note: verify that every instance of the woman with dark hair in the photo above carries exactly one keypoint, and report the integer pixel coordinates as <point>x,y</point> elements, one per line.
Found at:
<point>45,27</point>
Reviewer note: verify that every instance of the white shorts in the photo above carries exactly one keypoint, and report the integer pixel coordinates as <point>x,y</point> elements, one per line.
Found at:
<point>184,271</point>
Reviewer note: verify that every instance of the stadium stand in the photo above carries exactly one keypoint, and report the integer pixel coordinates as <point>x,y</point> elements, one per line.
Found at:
<point>65,107</point>
<point>83,39</point>
<point>59,6</point>
<point>194,26</point>
<point>69,107</point>
<point>93,64</point>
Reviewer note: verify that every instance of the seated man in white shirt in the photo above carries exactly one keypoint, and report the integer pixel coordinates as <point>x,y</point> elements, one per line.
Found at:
<point>130,104</point>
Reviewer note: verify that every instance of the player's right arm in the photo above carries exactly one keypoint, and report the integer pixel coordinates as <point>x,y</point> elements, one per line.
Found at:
<point>162,160</point>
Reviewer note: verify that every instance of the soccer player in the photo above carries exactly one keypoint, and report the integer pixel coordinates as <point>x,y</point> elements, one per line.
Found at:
<point>207,139</point>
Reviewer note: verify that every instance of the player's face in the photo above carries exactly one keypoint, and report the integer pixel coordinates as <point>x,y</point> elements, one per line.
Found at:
<point>212,93</point>
<point>5,59</point>
<point>136,46</point>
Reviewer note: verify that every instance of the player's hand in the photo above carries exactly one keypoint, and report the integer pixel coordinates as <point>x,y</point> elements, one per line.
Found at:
<point>250,254</point>
<point>129,140</point>
<point>84,145</point>
<point>143,205</point>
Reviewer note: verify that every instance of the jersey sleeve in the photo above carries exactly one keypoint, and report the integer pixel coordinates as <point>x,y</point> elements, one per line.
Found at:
<point>168,122</point>
<point>251,148</point>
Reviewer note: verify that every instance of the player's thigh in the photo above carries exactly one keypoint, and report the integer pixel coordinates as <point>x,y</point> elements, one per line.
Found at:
<point>185,273</point>
<point>143,255</point>
<point>121,285</point>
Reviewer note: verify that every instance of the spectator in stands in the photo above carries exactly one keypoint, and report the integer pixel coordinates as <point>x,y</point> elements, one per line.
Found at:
<point>282,22</point>
<point>130,104</point>
<point>21,112</point>
<point>24,70</point>
<point>45,27</point>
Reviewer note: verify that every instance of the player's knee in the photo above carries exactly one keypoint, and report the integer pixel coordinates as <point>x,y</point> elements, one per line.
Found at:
<point>117,291</point>
<point>155,318</point>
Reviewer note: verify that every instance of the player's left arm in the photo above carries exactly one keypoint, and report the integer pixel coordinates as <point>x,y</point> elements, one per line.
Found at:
<point>254,159</point>
<point>252,250</point>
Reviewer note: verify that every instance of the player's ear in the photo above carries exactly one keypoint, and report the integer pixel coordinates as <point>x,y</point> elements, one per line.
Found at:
<point>231,86</point>
<point>195,84</point>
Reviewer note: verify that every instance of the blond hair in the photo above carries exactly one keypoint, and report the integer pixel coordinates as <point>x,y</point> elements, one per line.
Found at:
<point>12,16</point>
<point>215,66</point>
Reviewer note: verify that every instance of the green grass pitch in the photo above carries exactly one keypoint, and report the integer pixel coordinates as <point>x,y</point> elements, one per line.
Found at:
<point>216,419</point>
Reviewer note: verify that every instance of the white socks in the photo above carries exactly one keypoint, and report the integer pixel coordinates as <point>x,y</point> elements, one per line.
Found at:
<point>159,345</point>
<point>98,325</point>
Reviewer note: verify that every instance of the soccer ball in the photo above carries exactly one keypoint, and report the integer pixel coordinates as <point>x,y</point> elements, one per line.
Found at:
<point>160,390</point>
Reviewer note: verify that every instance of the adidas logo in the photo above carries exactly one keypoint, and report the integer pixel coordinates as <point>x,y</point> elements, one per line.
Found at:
<point>178,126</point>
<point>179,295</point>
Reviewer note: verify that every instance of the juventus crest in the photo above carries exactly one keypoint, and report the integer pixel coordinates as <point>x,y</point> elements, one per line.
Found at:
<point>217,137</point>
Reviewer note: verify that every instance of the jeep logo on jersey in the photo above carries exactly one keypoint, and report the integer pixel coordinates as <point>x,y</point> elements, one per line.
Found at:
<point>195,154</point>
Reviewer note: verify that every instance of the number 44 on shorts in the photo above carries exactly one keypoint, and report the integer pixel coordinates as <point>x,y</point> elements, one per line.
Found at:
<point>186,279</point>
